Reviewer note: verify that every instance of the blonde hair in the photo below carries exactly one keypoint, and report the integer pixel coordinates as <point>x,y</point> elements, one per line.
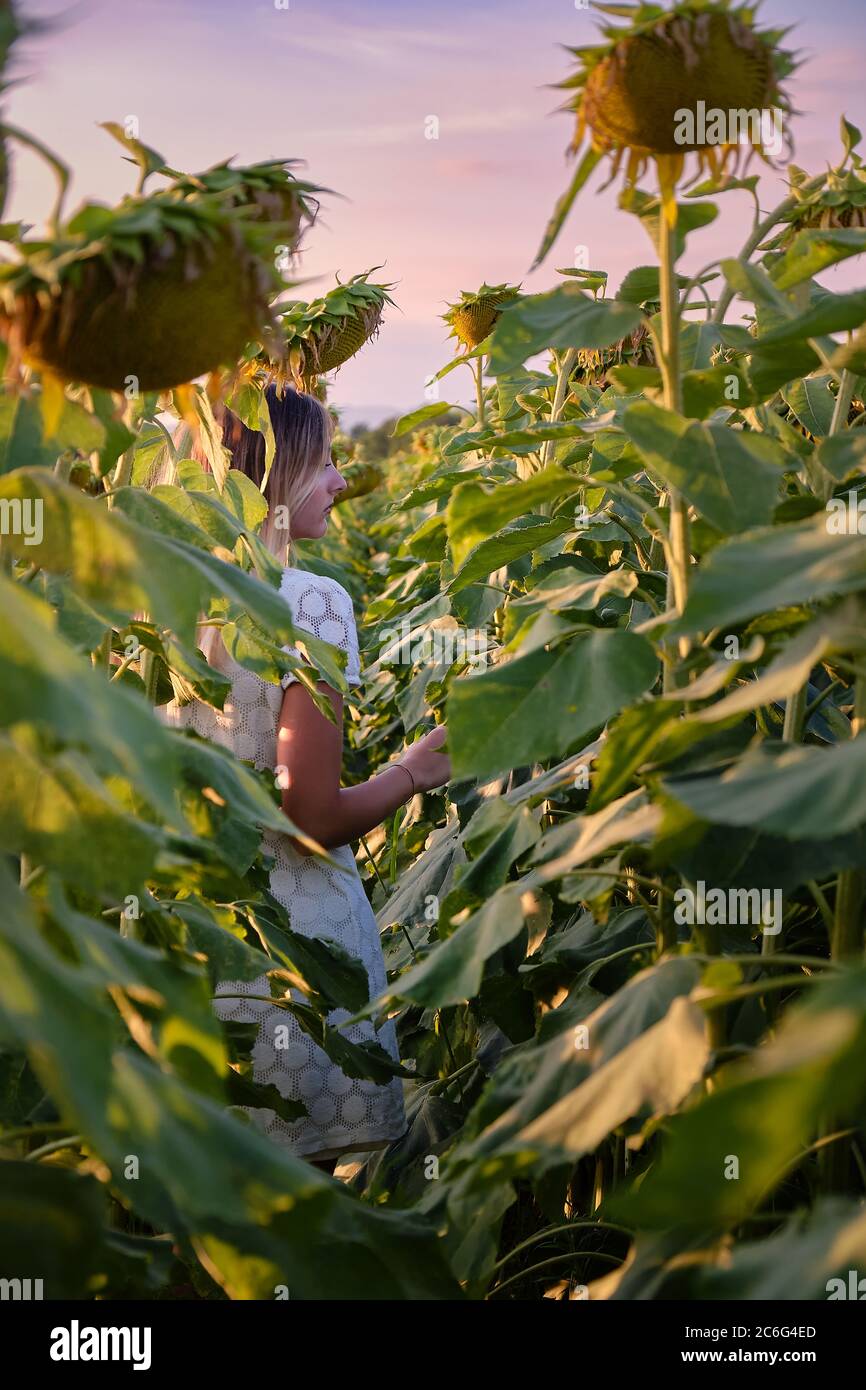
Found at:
<point>303,430</point>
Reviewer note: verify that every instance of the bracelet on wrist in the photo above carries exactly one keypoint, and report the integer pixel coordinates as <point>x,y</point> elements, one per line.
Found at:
<point>409,774</point>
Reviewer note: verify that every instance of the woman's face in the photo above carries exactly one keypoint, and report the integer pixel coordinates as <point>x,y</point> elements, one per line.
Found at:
<point>309,521</point>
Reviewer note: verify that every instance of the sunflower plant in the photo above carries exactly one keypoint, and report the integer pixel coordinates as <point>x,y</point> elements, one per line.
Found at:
<point>472,319</point>
<point>631,94</point>
<point>144,296</point>
<point>318,337</point>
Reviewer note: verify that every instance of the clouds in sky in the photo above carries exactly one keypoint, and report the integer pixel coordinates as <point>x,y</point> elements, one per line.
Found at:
<point>349,87</point>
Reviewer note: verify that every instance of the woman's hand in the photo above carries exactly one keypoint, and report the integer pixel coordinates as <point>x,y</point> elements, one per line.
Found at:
<point>428,768</point>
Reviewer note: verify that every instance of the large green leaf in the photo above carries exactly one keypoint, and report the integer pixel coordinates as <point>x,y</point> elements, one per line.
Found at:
<point>545,704</point>
<point>564,317</point>
<point>475,512</point>
<point>840,454</point>
<point>831,313</point>
<point>650,1077</point>
<point>521,537</point>
<point>430,877</point>
<point>563,590</point>
<point>812,402</point>
<point>141,568</point>
<point>59,813</point>
<point>43,680</point>
<point>731,476</point>
<point>811,1257</point>
<point>772,568</point>
<point>496,836</point>
<point>761,1118</point>
<point>453,969</point>
<point>264,1216</point>
<point>421,416</point>
<point>638,1053</point>
<point>581,838</point>
<point>813,249</point>
<point>180,1020</point>
<point>24,442</point>
<point>840,630</point>
<point>514,441</point>
<point>798,793</point>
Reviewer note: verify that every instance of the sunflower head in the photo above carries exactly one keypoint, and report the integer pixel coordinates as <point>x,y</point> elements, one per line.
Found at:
<point>319,337</point>
<point>474,316</point>
<point>634,350</point>
<point>696,79</point>
<point>839,202</point>
<point>361,479</point>
<point>153,290</point>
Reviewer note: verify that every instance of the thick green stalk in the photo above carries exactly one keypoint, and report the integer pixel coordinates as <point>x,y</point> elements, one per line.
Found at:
<point>149,668</point>
<point>843,404</point>
<point>795,711</point>
<point>122,473</point>
<point>565,367</point>
<point>795,706</point>
<point>479,389</point>
<point>150,674</point>
<point>678,571</point>
<point>101,656</point>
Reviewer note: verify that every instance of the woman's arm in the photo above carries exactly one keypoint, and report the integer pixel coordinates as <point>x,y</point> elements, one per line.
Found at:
<point>310,748</point>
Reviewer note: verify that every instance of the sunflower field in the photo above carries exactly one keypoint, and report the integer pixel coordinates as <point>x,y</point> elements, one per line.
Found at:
<point>625,944</point>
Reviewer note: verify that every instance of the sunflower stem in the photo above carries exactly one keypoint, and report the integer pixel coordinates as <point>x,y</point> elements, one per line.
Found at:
<point>101,656</point>
<point>479,389</point>
<point>122,473</point>
<point>565,366</point>
<point>148,667</point>
<point>795,706</point>
<point>843,402</point>
<point>795,715</point>
<point>678,572</point>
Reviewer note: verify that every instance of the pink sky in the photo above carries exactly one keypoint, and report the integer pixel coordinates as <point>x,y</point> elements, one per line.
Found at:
<point>348,87</point>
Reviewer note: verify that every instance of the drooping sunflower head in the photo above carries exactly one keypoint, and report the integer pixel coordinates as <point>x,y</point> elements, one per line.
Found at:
<point>698,78</point>
<point>361,479</point>
<point>152,292</point>
<point>271,187</point>
<point>319,337</point>
<point>475,315</point>
<point>634,350</point>
<point>840,201</point>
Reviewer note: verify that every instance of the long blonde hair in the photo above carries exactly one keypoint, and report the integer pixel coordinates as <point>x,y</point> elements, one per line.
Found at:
<point>303,432</point>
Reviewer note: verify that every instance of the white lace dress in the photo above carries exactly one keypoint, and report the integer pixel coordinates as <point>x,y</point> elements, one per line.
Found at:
<point>345,1115</point>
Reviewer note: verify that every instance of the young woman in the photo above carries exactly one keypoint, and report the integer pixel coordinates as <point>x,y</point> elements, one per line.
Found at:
<point>283,729</point>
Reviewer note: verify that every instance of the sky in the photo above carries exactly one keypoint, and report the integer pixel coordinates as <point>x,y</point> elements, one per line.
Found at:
<point>349,86</point>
